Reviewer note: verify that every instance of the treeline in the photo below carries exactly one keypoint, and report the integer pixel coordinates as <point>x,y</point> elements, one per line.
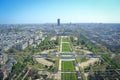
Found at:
<point>72,39</point>
<point>95,48</point>
<point>47,44</point>
<point>115,49</point>
<point>112,63</point>
<point>16,70</point>
<point>110,72</point>
<point>105,53</point>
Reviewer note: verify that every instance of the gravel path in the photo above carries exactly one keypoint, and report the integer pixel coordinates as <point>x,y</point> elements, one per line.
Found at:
<point>89,62</point>
<point>43,61</point>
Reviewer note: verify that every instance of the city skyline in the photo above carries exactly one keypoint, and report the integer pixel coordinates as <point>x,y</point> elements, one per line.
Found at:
<point>47,11</point>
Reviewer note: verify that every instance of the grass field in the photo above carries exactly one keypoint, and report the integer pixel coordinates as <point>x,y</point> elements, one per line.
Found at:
<point>68,66</point>
<point>64,39</point>
<point>68,76</point>
<point>65,47</point>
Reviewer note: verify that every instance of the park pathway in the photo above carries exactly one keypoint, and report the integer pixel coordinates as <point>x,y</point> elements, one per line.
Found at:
<point>67,59</point>
<point>61,44</point>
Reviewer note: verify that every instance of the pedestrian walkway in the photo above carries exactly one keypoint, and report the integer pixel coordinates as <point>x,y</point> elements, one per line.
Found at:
<point>67,56</point>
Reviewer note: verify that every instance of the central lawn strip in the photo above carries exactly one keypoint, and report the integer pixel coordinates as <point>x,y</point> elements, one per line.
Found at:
<point>64,39</point>
<point>65,47</point>
<point>68,66</point>
<point>68,76</point>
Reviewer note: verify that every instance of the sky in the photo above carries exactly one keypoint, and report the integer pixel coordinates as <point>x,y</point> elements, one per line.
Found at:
<point>48,11</point>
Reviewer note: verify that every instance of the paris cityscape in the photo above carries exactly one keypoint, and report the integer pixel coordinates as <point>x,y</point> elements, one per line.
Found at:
<point>37,45</point>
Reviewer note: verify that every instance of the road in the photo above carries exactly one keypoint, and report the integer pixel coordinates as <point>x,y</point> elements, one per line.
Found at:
<point>26,73</point>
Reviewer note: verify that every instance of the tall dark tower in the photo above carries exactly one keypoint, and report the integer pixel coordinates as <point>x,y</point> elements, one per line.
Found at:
<point>58,22</point>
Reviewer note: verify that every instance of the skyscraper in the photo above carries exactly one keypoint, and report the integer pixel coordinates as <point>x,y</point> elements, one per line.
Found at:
<point>58,22</point>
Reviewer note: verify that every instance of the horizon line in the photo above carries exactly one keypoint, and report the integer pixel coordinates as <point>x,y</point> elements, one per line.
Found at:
<point>65,23</point>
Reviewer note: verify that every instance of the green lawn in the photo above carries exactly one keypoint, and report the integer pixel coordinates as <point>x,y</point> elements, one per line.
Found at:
<point>68,76</point>
<point>64,39</point>
<point>68,66</point>
<point>65,47</point>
